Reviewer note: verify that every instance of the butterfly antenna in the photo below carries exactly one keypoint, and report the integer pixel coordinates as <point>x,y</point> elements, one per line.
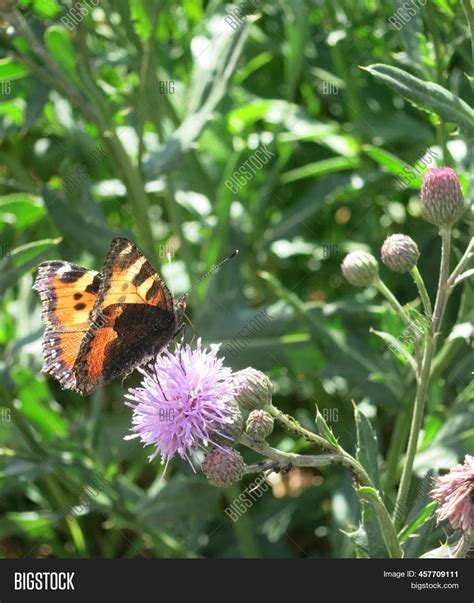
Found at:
<point>213,269</point>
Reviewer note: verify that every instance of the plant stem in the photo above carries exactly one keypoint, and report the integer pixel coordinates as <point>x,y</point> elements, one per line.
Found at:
<point>398,309</point>
<point>420,283</point>
<point>286,459</point>
<point>467,256</point>
<point>282,460</point>
<point>394,303</point>
<point>416,423</point>
<point>343,457</point>
<point>423,383</point>
<point>442,294</point>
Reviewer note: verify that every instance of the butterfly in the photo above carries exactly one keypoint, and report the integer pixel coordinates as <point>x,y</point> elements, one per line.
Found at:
<point>102,325</point>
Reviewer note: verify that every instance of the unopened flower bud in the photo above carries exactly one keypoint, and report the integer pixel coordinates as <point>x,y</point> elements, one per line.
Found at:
<point>229,432</point>
<point>360,268</point>
<point>253,389</point>
<point>223,466</point>
<point>442,201</point>
<point>400,253</point>
<point>259,425</point>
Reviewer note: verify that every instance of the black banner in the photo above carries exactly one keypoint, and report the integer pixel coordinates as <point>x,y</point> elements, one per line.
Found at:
<point>132,579</point>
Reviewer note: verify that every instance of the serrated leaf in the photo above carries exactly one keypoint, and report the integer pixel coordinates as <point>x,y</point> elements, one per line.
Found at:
<point>324,430</point>
<point>367,447</point>
<point>426,95</point>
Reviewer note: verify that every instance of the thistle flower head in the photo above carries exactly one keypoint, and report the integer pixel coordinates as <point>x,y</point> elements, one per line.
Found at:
<point>184,401</point>
<point>223,466</point>
<point>253,389</point>
<point>360,268</point>
<point>442,201</point>
<point>400,253</point>
<point>455,494</point>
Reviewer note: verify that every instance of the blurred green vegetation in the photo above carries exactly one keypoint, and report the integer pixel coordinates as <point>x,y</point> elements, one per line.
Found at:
<point>129,120</point>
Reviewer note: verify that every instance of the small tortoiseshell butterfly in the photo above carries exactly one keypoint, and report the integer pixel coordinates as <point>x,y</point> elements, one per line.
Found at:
<point>101,325</point>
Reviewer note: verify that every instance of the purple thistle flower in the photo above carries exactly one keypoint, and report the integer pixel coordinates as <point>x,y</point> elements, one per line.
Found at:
<point>183,402</point>
<point>455,495</point>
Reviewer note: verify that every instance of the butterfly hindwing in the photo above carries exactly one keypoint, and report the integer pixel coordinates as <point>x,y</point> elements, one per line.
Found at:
<point>129,335</point>
<point>68,294</point>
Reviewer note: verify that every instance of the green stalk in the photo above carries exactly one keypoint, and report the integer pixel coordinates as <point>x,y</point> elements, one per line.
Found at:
<point>420,283</point>
<point>424,379</point>
<point>463,262</point>
<point>366,491</point>
<point>393,301</point>
<point>398,309</point>
<point>346,460</point>
<point>416,423</point>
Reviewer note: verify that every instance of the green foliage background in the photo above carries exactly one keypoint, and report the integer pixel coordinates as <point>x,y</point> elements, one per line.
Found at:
<point>162,102</point>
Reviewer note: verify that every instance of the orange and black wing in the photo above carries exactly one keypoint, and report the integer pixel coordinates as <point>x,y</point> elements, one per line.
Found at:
<point>132,320</point>
<point>68,294</point>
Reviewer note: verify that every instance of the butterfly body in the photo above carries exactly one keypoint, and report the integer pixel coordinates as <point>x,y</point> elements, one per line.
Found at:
<point>100,326</point>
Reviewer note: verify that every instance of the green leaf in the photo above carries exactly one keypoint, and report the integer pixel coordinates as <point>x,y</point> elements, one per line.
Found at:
<point>9,70</point>
<point>367,447</point>
<point>393,164</point>
<point>26,209</point>
<point>419,520</point>
<point>324,430</point>
<point>395,345</point>
<point>30,523</point>
<point>320,168</point>
<point>23,259</point>
<point>427,96</point>
<point>59,43</point>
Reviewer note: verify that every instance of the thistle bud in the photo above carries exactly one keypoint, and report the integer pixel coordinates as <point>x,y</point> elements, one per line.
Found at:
<point>400,253</point>
<point>253,389</point>
<point>230,432</point>
<point>259,425</point>
<point>442,201</point>
<point>360,268</point>
<point>223,466</point>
